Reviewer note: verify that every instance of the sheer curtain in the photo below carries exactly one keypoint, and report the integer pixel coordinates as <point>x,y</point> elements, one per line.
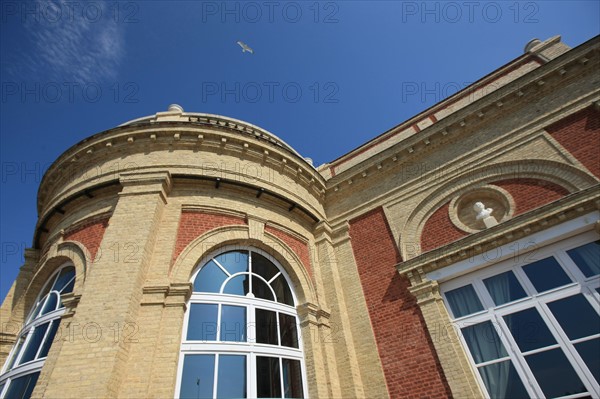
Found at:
<point>463,301</point>
<point>587,258</point>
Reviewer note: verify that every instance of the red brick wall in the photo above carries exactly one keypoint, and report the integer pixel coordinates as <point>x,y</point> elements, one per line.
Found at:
<point>193,224</point>
<point>439,230</point>
<point>579,133</point>
<point>299,247</point>
<point>89,234</point>
<point>531,193</point>
<point>409,361</point>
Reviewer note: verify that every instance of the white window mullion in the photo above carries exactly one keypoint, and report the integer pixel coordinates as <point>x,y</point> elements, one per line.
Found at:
<point>281,377</point>
<point>215,377</point>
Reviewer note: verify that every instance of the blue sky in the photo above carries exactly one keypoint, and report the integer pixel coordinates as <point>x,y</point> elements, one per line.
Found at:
<point>325,76</point>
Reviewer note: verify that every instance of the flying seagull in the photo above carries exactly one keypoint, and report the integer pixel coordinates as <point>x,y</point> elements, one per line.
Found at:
<point>245,47</point>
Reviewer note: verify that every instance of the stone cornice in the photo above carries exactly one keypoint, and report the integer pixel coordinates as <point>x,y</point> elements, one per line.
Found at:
<point>542,218</point>
<point>180,135</point>
<point>519,91</point>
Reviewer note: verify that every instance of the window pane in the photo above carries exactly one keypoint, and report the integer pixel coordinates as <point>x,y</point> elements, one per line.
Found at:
<point>502,381</point>
<point>288,331</point>
<point>51,303</point>
<point>576,316</point>
<point>504,288</point>
<point>232,377</point>
<point>483,341</point>
<point>239,285</point>
<point>546,274</point>
<point>282,291</point>
<point>268,383</point>
<point>234,261</point>
<point>529,330</point>
<point>16,353</point>
<point>34,343</point>
<point>210,278</point>
<point>590,353</point>
<point>49,339</point>
<point>233,323</point>
<point>197,379</point>
<point>263,267</point>
<point>261,289</point>
<point>202,324</point>
<point>22,387</point>
<point>463,301</point>
<point>587,258</point>
<point>266,327</point>
<point>64,279</point>
<point>554,373</point>
<point>292,379</point>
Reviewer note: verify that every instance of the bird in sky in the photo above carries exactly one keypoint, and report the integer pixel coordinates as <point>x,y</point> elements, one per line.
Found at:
<point>245,47</point>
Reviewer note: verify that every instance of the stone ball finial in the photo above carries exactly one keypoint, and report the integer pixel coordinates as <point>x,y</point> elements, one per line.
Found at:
<point>175,108</point>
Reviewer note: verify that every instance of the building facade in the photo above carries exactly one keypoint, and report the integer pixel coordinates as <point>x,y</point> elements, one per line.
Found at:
<point>456,255</point>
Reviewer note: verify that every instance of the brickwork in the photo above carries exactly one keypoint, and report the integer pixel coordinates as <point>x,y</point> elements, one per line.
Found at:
<point>579,133</point>
<point>410,364</point>
<point>439,230</point>
<point>531,193</point>
<point>194,224</point>
<point>299,247</point>
<point>181,185</point>
<point>90,234</point>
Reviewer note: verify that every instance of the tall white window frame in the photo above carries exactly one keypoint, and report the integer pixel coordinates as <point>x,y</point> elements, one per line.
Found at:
<point>27,357</point>
<point>249,348</point>
<point>534,300</point>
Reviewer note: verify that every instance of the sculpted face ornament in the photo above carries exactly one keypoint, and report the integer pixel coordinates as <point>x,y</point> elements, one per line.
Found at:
<point>484,214</point>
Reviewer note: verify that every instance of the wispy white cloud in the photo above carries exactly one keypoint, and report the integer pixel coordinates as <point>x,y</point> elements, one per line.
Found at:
<point>78,46</point>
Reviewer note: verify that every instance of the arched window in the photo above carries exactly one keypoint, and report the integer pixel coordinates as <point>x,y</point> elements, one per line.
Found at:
<point>25,361</point>
<point>241,337</point>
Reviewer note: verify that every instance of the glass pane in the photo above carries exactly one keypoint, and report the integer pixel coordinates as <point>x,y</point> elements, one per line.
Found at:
<point>49,339</point>
<point>483,342</point>
<point>590,353</point>
<point>504,288</point>
<point>263,267</point>
<point>266,327</point>
<point>233,323</point>
<point>261,289</point>
<point>232,377</point>
<point>16,353</point>
<point>292,379</point>
<point>282,291</point>
<point>587,258</point>
<point>268,383</point>
<point>210,278</point>
<point>239,285</point>
<point>576,316</point>
<point>546,274</point>
<point>463,301</point>
<point>198,376</point>
<point>529,330</point>
<point>502,381</point>
<point>37,309</point>
<point>22,387</point>
<point>34,343</point>
<point>202,324</point>
<point>64,278</point>
<point>51,303</point>
<point>288,331</point>
<point>234,261</point>
<point>554,373</point>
